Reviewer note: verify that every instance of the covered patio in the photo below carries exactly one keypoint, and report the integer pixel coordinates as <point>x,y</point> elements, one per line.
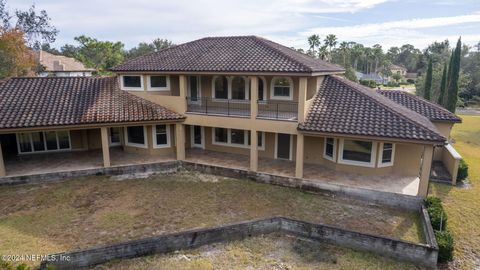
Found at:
<point>76,160</point>
<point>389,183</point>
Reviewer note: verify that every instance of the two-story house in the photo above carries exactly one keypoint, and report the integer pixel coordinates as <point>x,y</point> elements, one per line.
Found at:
<point>242,102</point>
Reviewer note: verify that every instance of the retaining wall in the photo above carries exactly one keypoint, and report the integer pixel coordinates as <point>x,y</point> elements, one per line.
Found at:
<point>420,254</point>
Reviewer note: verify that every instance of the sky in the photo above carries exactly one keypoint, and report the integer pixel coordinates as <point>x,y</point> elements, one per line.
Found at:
<point>289,22</point>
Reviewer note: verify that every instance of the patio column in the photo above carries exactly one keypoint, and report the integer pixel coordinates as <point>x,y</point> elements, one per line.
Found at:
<point>253,97</point>
<point>180,141</point>
<point>3,172</point>
<point>253,150</point>
<point>183,91</point>
<point>425,170</point>
<point>105,147</point>
<point>302,99</point>
<point>299,156</point>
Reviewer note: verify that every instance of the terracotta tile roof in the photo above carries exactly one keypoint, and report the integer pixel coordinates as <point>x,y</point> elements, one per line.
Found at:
<point>432,111</point>
<point>53,63</point>
<point>343,107</point>
<point>60,101</point>
<point>229,54</point>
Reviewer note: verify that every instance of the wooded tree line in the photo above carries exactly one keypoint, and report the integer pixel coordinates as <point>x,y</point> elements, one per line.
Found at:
<point>357,57</point>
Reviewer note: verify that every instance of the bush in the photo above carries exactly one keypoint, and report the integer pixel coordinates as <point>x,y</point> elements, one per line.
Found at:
<point>393,84</point>
<point>445,245</point>
<point>9,266</point>
<point>410,81</point>
<point>462,170</point>
<point>438,217</point>
<point>369,83</point>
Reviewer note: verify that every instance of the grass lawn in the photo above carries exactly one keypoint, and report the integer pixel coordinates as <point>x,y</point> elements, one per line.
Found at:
<point>262,253</point>
<point>463,205</point>
<point>80,213</point>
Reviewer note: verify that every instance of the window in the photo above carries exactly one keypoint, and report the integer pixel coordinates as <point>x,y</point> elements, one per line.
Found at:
<point>136,136</point>
<point>387,152</point>
<point>355,152</point>
<point>237,136</point>
<point>329,149</point>
<point>221,87</point>
<point>115,136</point>
<point>161,136</point>
<point>239,88</point>
<point>132,82</point>
<point>43,141</point>
<point>282,88</point>
<point>158,83</point>
<point>221,135</point>
<point>260,140</point>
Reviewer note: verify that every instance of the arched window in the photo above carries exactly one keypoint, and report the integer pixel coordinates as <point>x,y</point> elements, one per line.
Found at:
<point>220,87</point>
<point>262,88</point>
<point>282,88</point>
<point>239,88</point>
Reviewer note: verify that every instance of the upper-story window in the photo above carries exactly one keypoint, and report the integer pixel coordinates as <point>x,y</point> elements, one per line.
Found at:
<point>220,87</point>
<point>132,82</point>
<point>262,85</point>
<point>158,83</point>
<point>239,88</point>
<point>282,88</point>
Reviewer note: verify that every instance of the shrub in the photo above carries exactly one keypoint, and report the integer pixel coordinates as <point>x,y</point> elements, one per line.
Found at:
<point>9,266</point>
<point>393,84</point>
<point>410,81</point>
<point>369,83</point>
<point>438,217</point>
<point>462,170</point>
<point>445,245</point>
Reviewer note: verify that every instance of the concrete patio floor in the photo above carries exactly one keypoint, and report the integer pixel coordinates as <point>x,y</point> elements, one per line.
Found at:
<point>391,183</point>
<point>77,160</point>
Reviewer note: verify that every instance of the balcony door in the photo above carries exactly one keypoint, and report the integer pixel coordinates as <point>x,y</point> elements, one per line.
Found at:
<point>194,88</point>
<point>283,146</point>
<point>197,137</point>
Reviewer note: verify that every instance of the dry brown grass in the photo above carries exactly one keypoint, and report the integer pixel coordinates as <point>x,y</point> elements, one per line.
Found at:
<point>42,219</point>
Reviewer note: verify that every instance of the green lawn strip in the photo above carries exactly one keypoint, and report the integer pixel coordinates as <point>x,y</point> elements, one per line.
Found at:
<point>462,205</point>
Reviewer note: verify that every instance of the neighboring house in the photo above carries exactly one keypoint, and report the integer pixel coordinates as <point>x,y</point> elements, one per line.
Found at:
<point>398,69</point>
<point>241,102</point>
<point>371,77</point>
<point>61,66</point>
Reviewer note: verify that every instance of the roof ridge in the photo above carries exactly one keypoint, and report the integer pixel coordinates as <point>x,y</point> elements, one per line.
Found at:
<point>268,46</point>
<point>357,88</point>
<point>418,98</point>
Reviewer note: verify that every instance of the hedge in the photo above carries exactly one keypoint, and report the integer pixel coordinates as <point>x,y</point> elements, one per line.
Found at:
<point>462,170</point>
<point>445,245</point>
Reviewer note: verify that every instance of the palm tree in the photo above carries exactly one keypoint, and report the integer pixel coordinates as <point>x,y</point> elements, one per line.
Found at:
<point>314,42</point>
<point>330,42</point>
<point>357,53</point>
<point>322,52</point>
<point>344,50</point>
<point>377,54</point>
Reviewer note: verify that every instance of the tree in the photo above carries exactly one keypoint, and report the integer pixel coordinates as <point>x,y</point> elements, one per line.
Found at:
<point>428,81</point>
<point>453,76</point>
<point>16,58</point>
<point>313,43</point>
<point>145,48</point>
<point>344,51</point>
<point>330,42</point>
<point>397,77</point>
<point>350,74</point>
<point>443,86</point>
<point>101,55</point>
<point>35,25</point>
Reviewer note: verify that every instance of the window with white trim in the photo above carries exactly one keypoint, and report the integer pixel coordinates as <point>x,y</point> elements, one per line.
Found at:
<point>43,141</point>
<point>161,136</point>
<point>329,148</point>
<point>158,83</point>
<point>282,88</point>
<point>387,153</point>
<point>132,82</point>
<point>136,136</point>
<point>236,138</point>
<point>220,87</point>
<point>357,152</point>
<point>194,91</point>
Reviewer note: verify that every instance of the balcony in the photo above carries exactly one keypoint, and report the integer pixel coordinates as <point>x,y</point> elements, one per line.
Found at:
<point>274,109</point>
<point>269,109</point>
<point>212,106</point>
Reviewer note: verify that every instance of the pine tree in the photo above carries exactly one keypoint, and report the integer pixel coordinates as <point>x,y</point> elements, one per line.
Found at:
<point>452,89</point>
<point>449,76</point>
<point>443,86</point>
<point>428,80</point>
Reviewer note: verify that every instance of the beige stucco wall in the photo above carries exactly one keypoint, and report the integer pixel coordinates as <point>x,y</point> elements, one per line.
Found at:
<point>406,161</point>
<point>445,128</point>
<point>76,139</point>
<point>150,149</point>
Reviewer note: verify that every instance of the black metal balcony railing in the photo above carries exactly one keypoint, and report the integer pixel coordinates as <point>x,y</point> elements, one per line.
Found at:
<point>213,106</point>
<point>275,109</point>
